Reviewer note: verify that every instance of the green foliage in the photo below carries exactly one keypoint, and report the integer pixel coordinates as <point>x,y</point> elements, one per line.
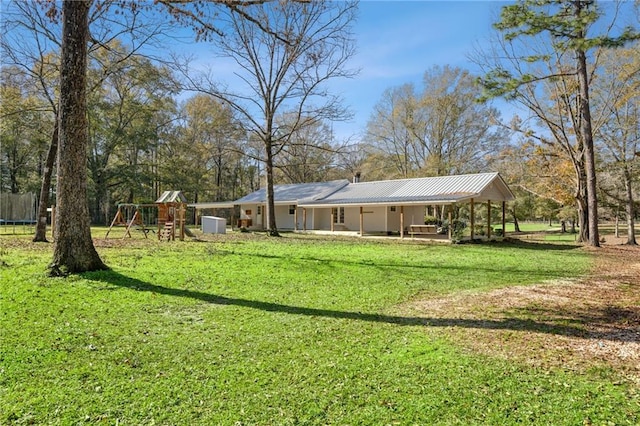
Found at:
<point>432,220</point>
<point>566,23</point>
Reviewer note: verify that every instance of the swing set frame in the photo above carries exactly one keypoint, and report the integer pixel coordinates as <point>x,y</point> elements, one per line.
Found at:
<point>137,219</point>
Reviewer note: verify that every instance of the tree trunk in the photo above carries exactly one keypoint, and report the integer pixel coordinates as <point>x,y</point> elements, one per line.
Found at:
<point>589,155</point>
<point>630,208</point>
<point>73,249</point>
<point>583,221</point>
<point>41,224</point>
<point>271,211</point>
<point>516,224</point>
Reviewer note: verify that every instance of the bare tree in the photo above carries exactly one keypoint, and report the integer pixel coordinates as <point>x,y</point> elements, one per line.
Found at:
<point>282,58</point>
<point>439,130</point>
<point>617,97</point>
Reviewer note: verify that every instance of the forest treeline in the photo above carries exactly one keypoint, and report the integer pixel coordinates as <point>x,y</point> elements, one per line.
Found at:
<point>148,134</point>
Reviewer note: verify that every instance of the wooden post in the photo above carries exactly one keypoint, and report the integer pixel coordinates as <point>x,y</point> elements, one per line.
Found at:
<point>361,221</point>
<point>504,219</point>
<point>450,231</point>
<point>333,215</point>
<point>304,218</point>
<point>183,213</point>
<point>473,219</point>
<point>488,219</point>
<point>401,222</point>
<point>295,219</point>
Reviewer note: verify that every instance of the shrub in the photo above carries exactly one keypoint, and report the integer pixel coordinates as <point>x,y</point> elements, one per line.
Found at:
<point>458,225</point>
<point>432,220</point>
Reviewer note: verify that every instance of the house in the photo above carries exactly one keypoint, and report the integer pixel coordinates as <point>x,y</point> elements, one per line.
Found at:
<point>389,206</point>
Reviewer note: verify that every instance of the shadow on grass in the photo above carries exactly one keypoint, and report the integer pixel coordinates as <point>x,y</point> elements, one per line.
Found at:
<point>516,324</point>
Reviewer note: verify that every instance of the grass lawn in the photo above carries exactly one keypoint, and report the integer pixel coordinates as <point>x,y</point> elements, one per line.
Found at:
<point>246,329</point>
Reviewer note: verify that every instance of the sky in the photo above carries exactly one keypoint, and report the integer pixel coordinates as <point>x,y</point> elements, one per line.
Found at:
<point>397,41</point>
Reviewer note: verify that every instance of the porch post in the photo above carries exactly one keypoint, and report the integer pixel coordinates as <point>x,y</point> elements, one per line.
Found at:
<point>304,218</point>
<point>401,221</point>
<point>361,221</point>
<point>333,214</point>
<point>473,219</point>
<point>450,231</point>
<point>295,219</point>
<point>504,219</point>
<point>488,219</point>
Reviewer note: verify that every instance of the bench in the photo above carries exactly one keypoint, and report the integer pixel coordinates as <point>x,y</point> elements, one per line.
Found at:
<point>423,230</point>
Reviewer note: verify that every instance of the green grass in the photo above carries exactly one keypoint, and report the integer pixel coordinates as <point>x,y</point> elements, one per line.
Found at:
<point>247,329</point>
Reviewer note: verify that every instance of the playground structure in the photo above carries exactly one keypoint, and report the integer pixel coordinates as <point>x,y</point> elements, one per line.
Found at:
<point>167,213</point>
<point>172,207</point>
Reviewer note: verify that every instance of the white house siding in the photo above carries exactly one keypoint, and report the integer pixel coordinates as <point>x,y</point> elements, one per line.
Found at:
<point>373,219</point>
<point>321,219</point>
<point>414,215</point>
<point>393,219</point>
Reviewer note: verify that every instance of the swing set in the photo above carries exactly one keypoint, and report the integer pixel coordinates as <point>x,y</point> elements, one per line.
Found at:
<point>136,216</point>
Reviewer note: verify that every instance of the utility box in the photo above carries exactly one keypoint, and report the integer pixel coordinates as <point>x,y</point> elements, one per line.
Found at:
<point>214,225</point>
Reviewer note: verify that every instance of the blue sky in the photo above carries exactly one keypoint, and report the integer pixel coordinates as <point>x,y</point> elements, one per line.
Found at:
<point>397,41</point>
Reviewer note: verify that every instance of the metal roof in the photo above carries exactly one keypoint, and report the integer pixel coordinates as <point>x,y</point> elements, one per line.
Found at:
<point>432,190</point>
<point>295,193</point>
<point>172,197</point>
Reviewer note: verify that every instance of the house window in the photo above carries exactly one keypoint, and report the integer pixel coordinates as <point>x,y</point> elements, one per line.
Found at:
<point>247,212</point>
<point>338,215</point>
<point>259,210</point>
<point>292,209</point>
<point>392,208</point>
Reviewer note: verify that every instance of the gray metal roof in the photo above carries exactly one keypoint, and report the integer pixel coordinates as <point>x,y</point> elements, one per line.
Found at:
<point>295,193</point>
<point>432,190</point>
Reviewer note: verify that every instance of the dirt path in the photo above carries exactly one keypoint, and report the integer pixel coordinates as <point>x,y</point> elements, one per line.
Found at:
<point>570,324</point>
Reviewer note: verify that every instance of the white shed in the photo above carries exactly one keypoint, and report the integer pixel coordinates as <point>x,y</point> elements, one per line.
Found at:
<point>214,225</point>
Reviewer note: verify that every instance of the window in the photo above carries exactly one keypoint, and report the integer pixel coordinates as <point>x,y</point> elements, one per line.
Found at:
<point>392,208</point>
<point>259,210</point>
<point>247,212</point>
<point>338,215</point>
<point>292,209</point>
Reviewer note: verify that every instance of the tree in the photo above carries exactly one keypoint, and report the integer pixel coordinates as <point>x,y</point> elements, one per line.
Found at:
<point>617,98</point>
<point>128,109</point>
<point>283,56</point>
<point>308,156</point>
<point>441,130</point>
<point>31,42</point>
<point>73,249</point>
<point>567,24</point>
<point>22,140</point>
<point>205,153</point>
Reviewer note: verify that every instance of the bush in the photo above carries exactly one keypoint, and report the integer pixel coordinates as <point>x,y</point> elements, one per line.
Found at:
<point>432,220</point>
<point>479,230</point>
<point>458,227</point>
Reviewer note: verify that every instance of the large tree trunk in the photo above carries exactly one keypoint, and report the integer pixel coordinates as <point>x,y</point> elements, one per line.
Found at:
<point>630,209</point>
<point>41,224</point>
<point>73,249</point>
<point>589,155</point>
<point>583,221</point>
